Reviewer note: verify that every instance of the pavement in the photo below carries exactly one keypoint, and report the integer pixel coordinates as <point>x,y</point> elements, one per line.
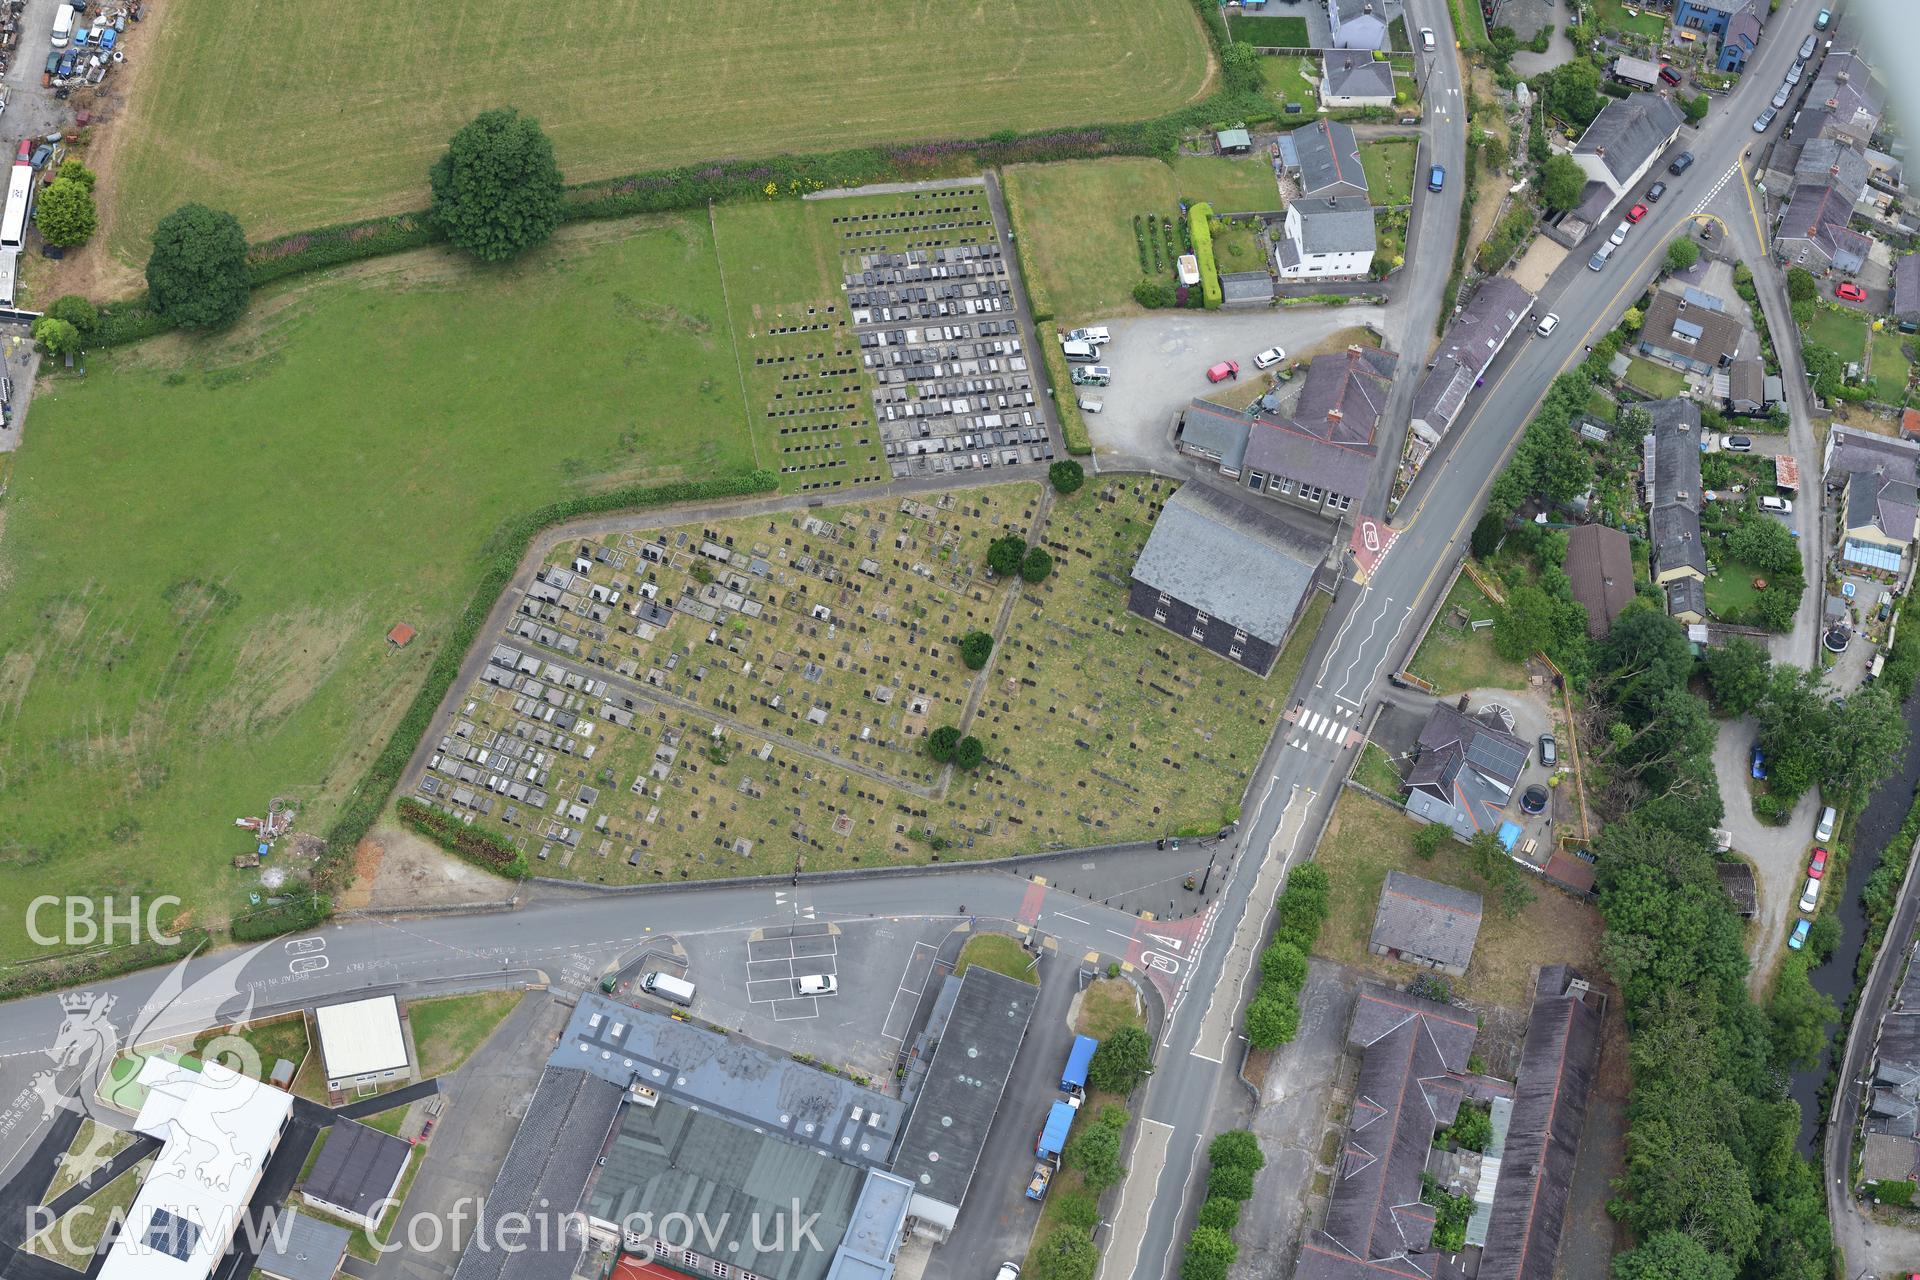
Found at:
<point>1160,363</point>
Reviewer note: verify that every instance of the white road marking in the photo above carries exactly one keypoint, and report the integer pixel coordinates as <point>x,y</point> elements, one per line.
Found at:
<point>1725,178</point>
<point>1061,915</point>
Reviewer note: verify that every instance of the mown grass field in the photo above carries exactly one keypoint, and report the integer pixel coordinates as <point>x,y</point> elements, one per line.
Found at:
<point>301,116</point>
<point>1389,168</point>
<point>1075,222</point>
<point>206,542</point>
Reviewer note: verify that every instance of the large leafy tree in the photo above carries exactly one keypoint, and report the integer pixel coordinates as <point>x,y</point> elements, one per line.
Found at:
<point>1738,672</point>
<point>497,190</point>
<point>1671,1255</point>
<point>1862,745</point>
<point>1799,1015</point>
<point>64,213</point>
<point>1561,182</point>
<point>197,272</point>
<point>1767,545</point>
<point>1120,1061</point>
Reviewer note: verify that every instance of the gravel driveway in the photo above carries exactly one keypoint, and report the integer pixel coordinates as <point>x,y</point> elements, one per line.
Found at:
<point>1778,854</point>
<point>1160,362</point>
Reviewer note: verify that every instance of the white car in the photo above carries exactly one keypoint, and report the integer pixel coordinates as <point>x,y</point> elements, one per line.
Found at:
<point>1269,358</point>
<point>1779,506</point>
<point>1810,896</point>
<point>1097,335</point>
<point>818,984</point>
<point>1426,38</point>
<point>1547,325</point>
<point>1619,235</point>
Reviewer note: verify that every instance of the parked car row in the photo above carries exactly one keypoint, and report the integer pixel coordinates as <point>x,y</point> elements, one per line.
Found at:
<point>1082,349</point>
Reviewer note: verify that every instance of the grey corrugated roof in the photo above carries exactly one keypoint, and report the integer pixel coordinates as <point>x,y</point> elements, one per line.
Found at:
<point>1218,430</point>
<point>357,1167</point>
<point>968,1074</point>
<point>1629,131</point>
<point>670,1159</point>
<point>1435,921</point>
<point>726,1074</point>
<point>1557,1063</point>
<point>300,1246</point>
<point>544,1176</point>
<point>1229,561</point>
<point>1357,75</point>
<point>1329,157</point>
<point>1342,225</point>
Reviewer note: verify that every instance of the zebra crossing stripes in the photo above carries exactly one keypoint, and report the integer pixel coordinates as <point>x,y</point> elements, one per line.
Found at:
<point>1314,724</point>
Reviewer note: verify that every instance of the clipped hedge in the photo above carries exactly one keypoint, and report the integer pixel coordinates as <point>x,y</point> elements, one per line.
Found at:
<point>1066,399</point>
<point>130,320</point>
<point>502,555</point>
<point>484,848</point>
<point>286,917</point>
<point>1202,234</point>
<point>81,970</point>
<point>330,246</point>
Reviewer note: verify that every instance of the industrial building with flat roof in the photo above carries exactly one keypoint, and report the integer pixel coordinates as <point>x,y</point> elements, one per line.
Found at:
<point>362,1042</point>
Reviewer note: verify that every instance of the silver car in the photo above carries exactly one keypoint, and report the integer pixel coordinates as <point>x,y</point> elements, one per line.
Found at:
<point>1781,95</point>
<point>1766,119</point>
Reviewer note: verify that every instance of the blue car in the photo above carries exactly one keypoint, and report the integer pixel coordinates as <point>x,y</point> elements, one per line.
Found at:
<point>1436,178</point>
<point>1759,769</point>
<point>1800,931</point>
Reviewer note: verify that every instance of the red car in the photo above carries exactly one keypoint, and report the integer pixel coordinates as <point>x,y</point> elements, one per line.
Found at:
<point>1850,291</point>
<point>1636,213</point>
<point>1224,370</point>
<point>1817,867</point>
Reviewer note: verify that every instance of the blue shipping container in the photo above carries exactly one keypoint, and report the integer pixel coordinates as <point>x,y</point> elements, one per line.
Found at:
<point>1053,1137</point>
<point>1075,1076</point>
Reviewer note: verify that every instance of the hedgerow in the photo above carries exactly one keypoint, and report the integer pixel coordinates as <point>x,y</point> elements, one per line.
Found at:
<point>1197,217</point>
<point>484,848</point>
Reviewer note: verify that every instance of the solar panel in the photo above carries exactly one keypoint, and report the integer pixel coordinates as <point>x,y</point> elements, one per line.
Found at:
<point>1500,759</point>
<point>169,1233</point>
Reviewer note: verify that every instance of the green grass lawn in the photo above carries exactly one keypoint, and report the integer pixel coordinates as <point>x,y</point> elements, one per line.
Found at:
<point>447,1031</point>
<point>208,539</point>
<point>83,1156</point>
<point>1613,14</point>
<point>1730,591</point>
<point>1600,405</point>
<point>1456,658</point>
<point>1293,78</point>
<point>1270,33</point>
<point>72,1241</point>
<point>1389,166</point>
<point>265,1042</point>
<point>1238,246</point>
<point>1075,222</point>
<point>1657,380</point>
<point>999,952</point>
<point>1841,331</point>
<point>1107,1005</point>
<point>1891,368</point>
<point>1377,771</point>
<point>388,1121</point>
<point>300,117</point>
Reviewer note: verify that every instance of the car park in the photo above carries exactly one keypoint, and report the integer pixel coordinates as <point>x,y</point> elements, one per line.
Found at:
<point>1781,95</point>
<point>1655,191</point>
<point>1681,163</point>
<point>1737,444</point>
<point>1817,865</point>
<point>1224,370</point>
<point>1850,291</point>
<point>1779,506</point>
<point>1765,120</point>
<point>1599,259</point>
<point>1619,235</point>
<point>1636,213</point>
<point>1548,323</point>
<point>1549,753</point>
<point>1269,358</point>
<point>1810,896</point>
<point>1798,939</point>
<point>1436,178</point>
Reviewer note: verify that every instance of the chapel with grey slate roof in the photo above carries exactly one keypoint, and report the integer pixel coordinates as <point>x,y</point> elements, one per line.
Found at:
<point>1224,574</point>
<point>1425,923</point>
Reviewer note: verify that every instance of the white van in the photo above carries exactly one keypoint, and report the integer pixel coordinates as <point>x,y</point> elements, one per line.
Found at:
<point>1078,352</point>
<point>62,26</point>
<point>1823,830</point>
<point>668,987</point>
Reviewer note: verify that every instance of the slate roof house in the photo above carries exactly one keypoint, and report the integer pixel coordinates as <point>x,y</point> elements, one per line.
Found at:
<point>1215,433</point>
<point>1413,1078</point>
<point>1426,924</point>
<point>1557,1064</point>
<point>1224,574</point>
<point>1358,24</point>
<point>1813,232</point>
<point>1465,768</point>
<point>1742,386</point>
<point>1843,103</point>
<point>1691,329</point>
<point>1473,338</point>
<point>1600,569</point>
<point>1329,239</point>
<point>1355,80</point>
<point>1618,149</point>
<point>1875,477</point>
<point>1672,473</point>
<point>1832,162</point>
<point>1906,288</point>
<point>1322,457</point>
<point>356,1172</point>
<point>1735,22</point>
<point>1328,158</point>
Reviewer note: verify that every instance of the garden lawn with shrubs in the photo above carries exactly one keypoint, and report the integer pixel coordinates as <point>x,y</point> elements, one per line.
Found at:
<point>1840,330</point>
<point>200,627</point>
<point>1270,32</point>
<point>1389,167</point>
<point>630,88</point>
